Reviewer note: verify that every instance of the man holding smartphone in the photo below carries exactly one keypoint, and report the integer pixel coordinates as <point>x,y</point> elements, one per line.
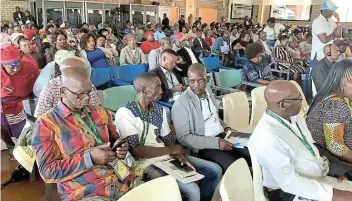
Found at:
<point>143,123</point>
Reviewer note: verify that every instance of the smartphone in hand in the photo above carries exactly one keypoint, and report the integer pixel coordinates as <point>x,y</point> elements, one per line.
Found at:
<point>118,143</point>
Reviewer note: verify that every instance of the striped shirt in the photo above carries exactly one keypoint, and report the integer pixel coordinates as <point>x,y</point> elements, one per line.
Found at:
<point>62,148</point>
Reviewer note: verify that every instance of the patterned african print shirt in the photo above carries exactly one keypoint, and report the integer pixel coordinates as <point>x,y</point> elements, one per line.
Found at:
<point>330,123</point>
<point>62,147</point>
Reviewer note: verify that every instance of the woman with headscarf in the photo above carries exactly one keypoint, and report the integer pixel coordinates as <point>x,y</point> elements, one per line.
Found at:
<point>329,118</point>
<point>150,43</point>
<point>17,79</point>
<point>92,53</point>
<point>131,54</point>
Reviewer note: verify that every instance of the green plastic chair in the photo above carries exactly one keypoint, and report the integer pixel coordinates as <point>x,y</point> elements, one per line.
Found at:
<point>116,97</point>
<point>229,78</point>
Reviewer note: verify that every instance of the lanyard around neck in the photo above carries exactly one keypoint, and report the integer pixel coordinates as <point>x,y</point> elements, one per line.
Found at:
<point>303,139</point>
<point>145,130</point>
<point>92,129</point>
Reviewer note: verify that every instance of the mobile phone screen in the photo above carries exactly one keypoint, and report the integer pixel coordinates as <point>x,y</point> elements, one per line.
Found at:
<point>185,168</point>
<point>118,143</point>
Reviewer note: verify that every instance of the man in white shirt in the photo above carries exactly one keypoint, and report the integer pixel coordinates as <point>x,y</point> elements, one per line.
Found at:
<point>262,41</point>
<point>272,31</point>
<point>325,29</point>
<point>154,57</point>
<point>143,123</point>
<point>197,123</point>
<point>171,81</point>
<point>285,149</point>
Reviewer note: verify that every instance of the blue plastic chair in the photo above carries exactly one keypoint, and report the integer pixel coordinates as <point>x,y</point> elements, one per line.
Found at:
<point>100,76</point>
<point>124,75</point>
<point>212,64</point>
<point>166,104</point>
<point>240,61</point>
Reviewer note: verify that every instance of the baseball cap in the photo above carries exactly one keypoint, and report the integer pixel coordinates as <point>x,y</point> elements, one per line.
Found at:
<point>328,5</point>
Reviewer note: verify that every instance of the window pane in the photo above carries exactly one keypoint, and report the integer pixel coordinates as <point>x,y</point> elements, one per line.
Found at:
<point>95,17</point>
<point>54,14</point>
<point>74,17</point>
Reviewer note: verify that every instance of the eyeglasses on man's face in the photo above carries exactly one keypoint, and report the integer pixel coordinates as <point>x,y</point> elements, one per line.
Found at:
<point>81,95</point>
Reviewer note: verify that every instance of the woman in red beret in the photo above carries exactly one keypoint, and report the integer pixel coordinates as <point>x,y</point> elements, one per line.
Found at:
<point>17,80</point>
<point>150,43</point>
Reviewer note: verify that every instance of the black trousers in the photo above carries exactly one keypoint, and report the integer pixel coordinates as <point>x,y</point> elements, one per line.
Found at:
<point>225,158</point>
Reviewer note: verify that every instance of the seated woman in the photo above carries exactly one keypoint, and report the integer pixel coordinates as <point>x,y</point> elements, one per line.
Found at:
<point>150,43</point>
<point>329,118</point>
<point>254,69</point>
<point>27,51</point>
<point>58,42</point>
<point>131,54</point>
<point>17,79</point>
<point>239,46</point>
<point>94,55</point>
<point>296,52</point>
<point>286,62</point>
<point>109,52</point>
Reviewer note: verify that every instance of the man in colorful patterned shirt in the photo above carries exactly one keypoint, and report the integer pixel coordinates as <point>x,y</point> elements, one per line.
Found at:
<point>72,144</point>
<point>143,124</point>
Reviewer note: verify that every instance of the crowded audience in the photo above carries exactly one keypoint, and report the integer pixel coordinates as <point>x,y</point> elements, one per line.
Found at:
<point>73,137</point>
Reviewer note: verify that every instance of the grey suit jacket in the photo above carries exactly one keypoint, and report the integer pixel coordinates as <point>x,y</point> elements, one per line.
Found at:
<point>188,121</point>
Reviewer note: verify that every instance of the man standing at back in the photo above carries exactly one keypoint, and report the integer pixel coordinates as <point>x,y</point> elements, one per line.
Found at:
<point>325,29</point>
<point>72,144</point>
<point>284,148</point>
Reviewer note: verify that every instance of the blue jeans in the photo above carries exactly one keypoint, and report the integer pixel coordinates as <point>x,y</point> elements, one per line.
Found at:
<point>271,43</point>
<point>192,191</point>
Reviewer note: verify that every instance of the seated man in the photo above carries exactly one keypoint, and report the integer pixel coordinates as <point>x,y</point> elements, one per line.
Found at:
<point>144,125</point>
<point>199,45</point>
<point>187,56</point>
<point>284,148</point>
<point>197,123</point>
<point>154,57</point>
<point>171,82</point>
<point>72,144</point>
<point>254,69</point>
<point>321,69</point>
<point>50,94</point>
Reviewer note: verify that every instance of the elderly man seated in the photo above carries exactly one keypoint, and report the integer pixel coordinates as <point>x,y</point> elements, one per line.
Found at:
<point>197,123</point>
<point>50,94</point>
<point>292,165</point>
<point>143,123</point>
<point>72,144</point>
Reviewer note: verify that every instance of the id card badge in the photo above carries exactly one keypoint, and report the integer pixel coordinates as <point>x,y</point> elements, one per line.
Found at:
<point>298,198</point>
<point>120,169</point>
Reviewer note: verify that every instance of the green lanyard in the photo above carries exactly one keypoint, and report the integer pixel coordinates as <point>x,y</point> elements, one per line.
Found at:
<point>92,129</point>
<point>303,139</point>
<point>145,131</point>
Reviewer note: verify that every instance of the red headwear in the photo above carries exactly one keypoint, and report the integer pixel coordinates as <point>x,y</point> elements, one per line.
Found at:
<point>178,36</point>
<point>9,54</point>
<point>147,34</point>
<point>29,34</point>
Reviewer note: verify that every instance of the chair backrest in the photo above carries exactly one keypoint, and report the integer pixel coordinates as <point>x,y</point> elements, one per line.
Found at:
<point>240,61</point>
<point>258,105</point>
<point>228,78</point>
<point>127,73</point>
<point>100,76</point>
<point>211,63</point>
<point>305,106</point>
<point>257,178</point>
<point>236,110</point>
<point>116,97</point>
<point>150,191</point>
<point>236,183</point>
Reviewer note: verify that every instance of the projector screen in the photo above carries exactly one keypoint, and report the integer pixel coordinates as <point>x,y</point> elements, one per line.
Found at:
<point>291,12</point>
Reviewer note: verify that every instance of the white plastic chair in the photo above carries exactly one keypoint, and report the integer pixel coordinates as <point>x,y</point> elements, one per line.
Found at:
<point>305,106</point>
<point>257,179</point>
<point>150,191</point>
<point>259,105</point>
<point>236,111</point>
<point>237,183</point>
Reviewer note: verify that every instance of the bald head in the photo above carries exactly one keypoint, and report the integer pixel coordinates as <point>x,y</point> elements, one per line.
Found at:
<point>75,79</point>
<point>197,69</point>
<point>282,96</point>
<point>71,62</point>
<point>145,80</point>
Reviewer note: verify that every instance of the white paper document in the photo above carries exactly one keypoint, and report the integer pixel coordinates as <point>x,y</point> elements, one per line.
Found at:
<point>181,175</point>
<point>225,49</point>
<point>343,186</point>
<point>238,139</point>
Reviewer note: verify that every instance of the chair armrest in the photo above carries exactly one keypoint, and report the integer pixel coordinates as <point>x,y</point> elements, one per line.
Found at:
<point>166,104</point>
<point>225,68</point>
<point>252,84</point>
<point>226,89</point>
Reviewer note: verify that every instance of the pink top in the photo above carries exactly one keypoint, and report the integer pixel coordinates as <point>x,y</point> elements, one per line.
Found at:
<point>295,53</point>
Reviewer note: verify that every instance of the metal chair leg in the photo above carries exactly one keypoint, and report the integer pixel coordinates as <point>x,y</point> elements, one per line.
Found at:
<point>48,192</point>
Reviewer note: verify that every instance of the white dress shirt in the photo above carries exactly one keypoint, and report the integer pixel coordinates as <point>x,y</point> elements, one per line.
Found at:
<point>211,119</point>
<point>171,82</point>
<point>193,58</point>
<point>321,25</point>
<point>266,48</point>
<point>273,33</point>
<point>286,163</point>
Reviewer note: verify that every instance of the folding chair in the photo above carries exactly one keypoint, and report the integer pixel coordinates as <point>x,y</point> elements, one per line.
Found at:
<point>305,105</point>
<point>212,64</point>
<point>100,76</point>
<point>276,68</point>
<point>126,74</point>
<point>236,183</point>
<point>240,61</point>
<point>259,105</point>
<point>116,97</point>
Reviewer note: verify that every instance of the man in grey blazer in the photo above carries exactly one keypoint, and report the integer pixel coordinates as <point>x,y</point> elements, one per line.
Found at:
<point>197,123</point>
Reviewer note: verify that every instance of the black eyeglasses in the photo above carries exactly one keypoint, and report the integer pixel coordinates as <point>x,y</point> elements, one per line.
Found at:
<point>81,95</point>
<point>292,99</point>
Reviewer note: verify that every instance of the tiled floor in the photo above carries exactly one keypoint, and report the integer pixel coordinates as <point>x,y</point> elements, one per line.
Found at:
<point>24,190</point>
